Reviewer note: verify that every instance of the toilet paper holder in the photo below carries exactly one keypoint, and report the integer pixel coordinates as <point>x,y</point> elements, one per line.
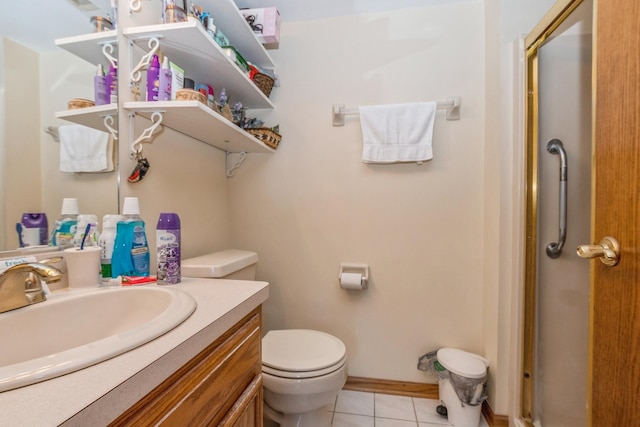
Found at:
<point>350,269</point>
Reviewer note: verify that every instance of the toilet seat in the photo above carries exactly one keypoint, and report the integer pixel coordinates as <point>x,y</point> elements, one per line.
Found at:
<point>301,353</point>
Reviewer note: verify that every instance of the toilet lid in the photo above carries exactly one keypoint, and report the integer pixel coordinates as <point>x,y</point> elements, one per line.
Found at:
<point>463,363</point>
<point>301,350</point>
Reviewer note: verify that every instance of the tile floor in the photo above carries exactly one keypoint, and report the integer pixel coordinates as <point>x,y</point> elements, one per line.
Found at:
<point>361,409</point>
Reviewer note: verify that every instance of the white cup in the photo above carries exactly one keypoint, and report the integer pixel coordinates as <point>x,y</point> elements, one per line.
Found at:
<point>83,266</point>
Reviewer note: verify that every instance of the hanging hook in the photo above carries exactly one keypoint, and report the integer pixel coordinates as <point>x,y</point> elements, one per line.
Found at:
<point>108,123</point>
<point>243,157</point>
<point>107,51</point>
<point>153,44</point>
<point>136,146</point>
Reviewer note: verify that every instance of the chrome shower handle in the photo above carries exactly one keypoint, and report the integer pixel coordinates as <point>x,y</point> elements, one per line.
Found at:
<point>554,249</point>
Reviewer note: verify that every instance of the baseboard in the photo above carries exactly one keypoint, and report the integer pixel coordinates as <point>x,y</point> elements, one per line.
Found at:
<point>423,390</point>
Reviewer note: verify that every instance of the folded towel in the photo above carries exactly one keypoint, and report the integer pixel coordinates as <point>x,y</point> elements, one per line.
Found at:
<point>398,132</point>
<point>83,149</point>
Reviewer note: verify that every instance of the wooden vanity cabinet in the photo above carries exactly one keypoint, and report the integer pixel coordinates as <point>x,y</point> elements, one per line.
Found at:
<point>221,386</point>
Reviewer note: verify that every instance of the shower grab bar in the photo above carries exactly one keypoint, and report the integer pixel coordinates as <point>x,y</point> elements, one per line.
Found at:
<point>555,147</point>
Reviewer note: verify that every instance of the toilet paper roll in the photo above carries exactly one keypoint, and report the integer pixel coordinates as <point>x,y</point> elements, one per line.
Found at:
<point>351,281</point>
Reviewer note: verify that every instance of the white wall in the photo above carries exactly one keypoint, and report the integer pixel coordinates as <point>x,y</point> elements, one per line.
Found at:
<point>314,204</point>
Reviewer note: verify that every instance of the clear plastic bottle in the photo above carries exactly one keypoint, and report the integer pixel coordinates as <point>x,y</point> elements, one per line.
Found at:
<point>106,242</point>
<point>131,249</point>
<point>65,227</point>
<point>92,236</point>
<point>168,249</point>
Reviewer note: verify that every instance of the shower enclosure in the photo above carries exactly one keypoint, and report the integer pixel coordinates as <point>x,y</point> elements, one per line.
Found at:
<point>559,152</point>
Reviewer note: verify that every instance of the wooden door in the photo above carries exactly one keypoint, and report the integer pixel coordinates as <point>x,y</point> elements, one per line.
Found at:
<point>615,291</point>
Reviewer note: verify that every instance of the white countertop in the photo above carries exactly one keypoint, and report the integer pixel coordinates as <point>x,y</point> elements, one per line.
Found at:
<point>98,394</point>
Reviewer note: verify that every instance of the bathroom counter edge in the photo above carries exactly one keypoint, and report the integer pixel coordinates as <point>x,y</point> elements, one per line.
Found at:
<point>98,394</point>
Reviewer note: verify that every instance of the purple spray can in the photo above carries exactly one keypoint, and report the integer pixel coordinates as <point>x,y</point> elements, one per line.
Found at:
<point>168,249</point>
<point>35,229</point>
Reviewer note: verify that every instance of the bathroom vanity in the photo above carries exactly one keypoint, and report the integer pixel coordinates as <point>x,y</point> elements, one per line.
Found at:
<point>206,370</point>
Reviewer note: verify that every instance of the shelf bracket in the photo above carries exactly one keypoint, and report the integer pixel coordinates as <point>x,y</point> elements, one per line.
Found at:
<point>107,51</point>
<point>231,170</point>
<point>136,146</point>
<point>108,123</point>
<point>136,74</point>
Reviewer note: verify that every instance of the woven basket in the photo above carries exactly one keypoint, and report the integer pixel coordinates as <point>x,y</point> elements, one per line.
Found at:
<point>266,135</point>
<point>264,83</point>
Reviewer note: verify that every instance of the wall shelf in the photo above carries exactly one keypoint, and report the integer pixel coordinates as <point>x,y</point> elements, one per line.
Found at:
<point>189,46</point>
<point>92,117</point>
<point>89,46</point>
<point>198,121</point>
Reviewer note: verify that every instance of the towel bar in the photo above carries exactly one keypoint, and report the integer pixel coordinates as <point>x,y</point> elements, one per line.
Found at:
<point>452,105</point>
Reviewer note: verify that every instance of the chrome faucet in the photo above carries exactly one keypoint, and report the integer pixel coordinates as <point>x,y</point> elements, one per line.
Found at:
<point>20,284</point>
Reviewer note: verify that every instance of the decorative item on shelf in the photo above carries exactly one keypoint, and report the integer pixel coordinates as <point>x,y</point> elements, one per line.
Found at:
<point>100,23</point>
<point>269,136</point>
<point>173,13</point>
<point>264,83</point>
<point>77,103</point>
<point>238,113</point>
<point>190,95</point>
<point>235,56</point>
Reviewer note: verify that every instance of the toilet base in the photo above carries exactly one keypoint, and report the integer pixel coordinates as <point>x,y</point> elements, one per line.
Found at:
<point>318,418</point>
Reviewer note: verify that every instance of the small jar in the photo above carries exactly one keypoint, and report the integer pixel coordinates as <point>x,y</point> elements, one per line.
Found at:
<point>101,23</point>
<point>173,13</point>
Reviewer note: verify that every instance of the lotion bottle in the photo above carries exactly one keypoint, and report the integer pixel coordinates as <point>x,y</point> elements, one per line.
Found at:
<point>164,81</point>
<point>112,84</point>
<point>100,87</point>
<point>153,79</point>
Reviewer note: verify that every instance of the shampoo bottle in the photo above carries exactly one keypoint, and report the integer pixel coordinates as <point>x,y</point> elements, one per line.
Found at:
<point>168,249</point>
<point>65,226</point>
<point>131,250</point>
<point>100,87</point>
<point>106,242</point>
<point>153,79</point>
<point>164,81</point>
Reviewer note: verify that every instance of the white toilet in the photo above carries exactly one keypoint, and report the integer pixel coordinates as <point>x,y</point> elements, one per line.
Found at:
<point>302,369</point>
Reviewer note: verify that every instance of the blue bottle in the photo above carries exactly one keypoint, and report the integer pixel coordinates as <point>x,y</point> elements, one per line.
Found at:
<point>131,249</point>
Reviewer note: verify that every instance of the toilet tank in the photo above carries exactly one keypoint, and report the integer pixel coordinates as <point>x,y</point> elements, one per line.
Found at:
<point>231,264</point>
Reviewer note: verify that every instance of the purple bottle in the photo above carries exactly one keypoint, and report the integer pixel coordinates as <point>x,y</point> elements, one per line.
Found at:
<point>112,84</point>
<point>35,229</point>
<point>153,79</point>
<point>168,249</point>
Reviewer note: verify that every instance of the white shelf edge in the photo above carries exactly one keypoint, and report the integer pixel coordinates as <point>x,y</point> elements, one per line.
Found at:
<point>198,121</point>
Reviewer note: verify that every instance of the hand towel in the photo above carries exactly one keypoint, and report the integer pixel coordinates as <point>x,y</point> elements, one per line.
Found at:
<point>398,132</point>
<point>83,149</point>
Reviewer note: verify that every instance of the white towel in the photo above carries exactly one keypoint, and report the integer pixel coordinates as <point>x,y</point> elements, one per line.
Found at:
<point>397,132</point>
<point>83,149</point>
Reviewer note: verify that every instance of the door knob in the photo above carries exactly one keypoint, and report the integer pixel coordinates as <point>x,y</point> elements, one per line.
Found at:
<point>608,251</point>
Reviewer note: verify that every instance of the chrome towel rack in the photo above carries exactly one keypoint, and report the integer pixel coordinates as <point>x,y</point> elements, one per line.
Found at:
<point>451,104</point>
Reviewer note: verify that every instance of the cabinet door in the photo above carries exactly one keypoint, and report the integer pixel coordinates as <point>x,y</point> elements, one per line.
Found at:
<point>247,412</point>
<point>208,388</point>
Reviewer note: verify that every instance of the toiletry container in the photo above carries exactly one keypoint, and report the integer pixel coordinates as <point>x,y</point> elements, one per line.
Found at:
<point>35,229</point>
<point>153,79</point>
<point>131,250</point>
<point>168,249</point>
<point>112,84</point>
<point>65,227</point>
<point>467,372</point>
<point>164,81</point>
<point>227,264</point>
<point>106,241</point>
<point>100,95</point>
<point>92,237</point>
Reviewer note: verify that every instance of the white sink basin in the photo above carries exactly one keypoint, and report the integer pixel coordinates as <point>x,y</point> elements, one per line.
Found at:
<point>76,329</point>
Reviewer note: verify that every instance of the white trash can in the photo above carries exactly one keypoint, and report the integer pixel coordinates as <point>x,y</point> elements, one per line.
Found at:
<point>463,388</point>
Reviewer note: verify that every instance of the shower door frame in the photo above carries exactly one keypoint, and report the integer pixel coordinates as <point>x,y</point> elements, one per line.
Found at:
<point>534,40</point>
